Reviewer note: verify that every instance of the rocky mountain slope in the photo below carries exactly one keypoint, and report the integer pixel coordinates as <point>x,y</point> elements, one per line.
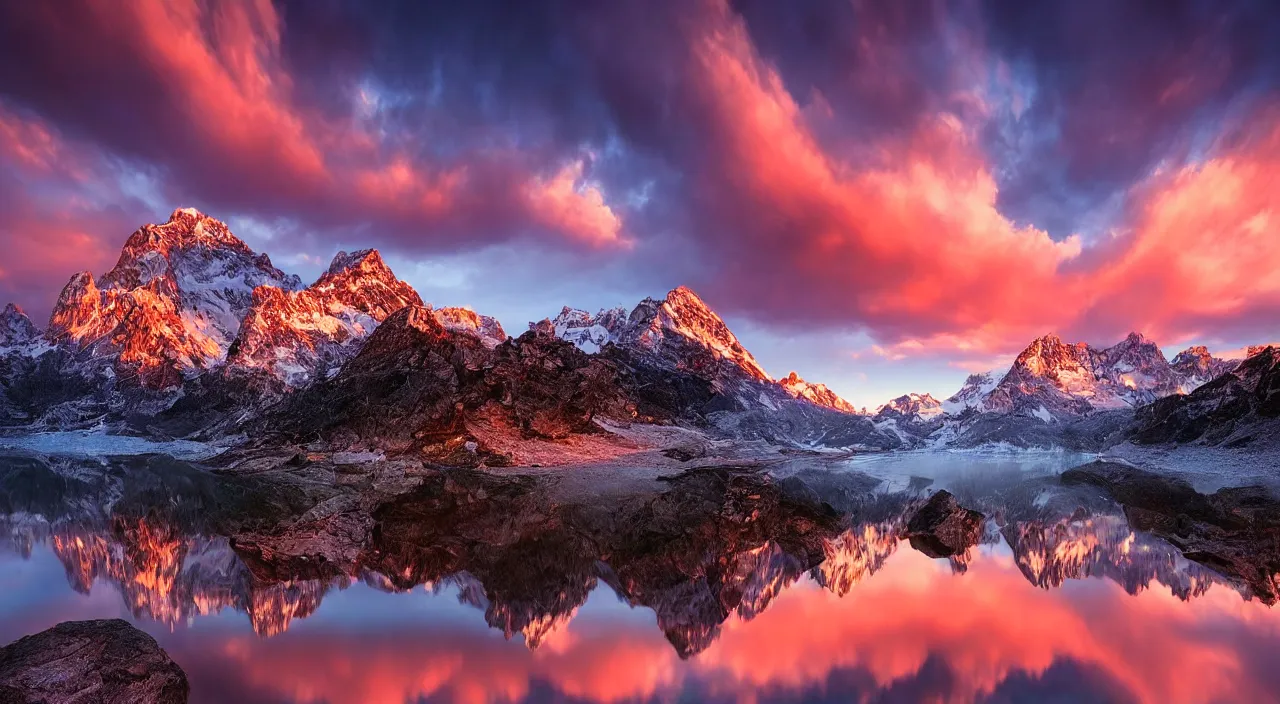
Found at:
<point>419,387</point>
<point>294,337</point>
<point>1238,408</point>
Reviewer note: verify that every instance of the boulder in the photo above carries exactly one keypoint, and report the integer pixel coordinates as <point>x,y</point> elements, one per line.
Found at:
<point>84,662</point>
<point>944,528</point>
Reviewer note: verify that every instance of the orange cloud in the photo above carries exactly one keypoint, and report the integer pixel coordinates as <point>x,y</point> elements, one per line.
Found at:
<point>911,244</point>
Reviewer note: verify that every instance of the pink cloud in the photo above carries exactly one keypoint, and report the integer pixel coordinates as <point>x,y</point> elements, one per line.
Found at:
<point>769,198</point>
<point>233,134</point>
<point>914,248</point>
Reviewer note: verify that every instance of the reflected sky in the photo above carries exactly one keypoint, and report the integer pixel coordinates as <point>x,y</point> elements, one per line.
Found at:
<point>722,586</point>
<point>916,630</point>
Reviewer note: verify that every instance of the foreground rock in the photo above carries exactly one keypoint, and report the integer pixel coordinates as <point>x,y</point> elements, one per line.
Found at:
<point>105,661</point>
<point>944,528</point>
<point>1234,531</point>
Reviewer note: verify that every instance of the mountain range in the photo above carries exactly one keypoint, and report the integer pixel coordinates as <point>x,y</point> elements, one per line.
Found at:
<point>194,334</point>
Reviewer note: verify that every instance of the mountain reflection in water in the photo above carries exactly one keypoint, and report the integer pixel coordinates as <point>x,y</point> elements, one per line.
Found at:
<point>752,589</point>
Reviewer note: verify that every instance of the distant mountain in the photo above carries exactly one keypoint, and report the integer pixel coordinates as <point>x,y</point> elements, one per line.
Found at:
<point>917,405</point>
<point>193,334</point>
<point>974,392</point>
<point>666,328</point>
<point>680,332</point>
<point>590,332</point>
<point>816,393</point>
<point>1238,408</point>
<point>1052,379</point>
<point>1197,367</point>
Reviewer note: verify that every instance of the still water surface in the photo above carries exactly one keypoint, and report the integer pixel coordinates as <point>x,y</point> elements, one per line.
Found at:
<point>1068,608</point>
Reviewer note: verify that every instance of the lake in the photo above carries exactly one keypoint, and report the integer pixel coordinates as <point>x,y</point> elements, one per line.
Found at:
<point>716,590</point>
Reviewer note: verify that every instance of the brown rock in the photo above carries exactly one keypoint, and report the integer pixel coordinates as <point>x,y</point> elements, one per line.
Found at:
<point>944,528</point>
<point>83,662</point>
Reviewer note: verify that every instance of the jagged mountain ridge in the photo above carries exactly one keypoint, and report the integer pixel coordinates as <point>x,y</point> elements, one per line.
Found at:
<point>1238,408</point>
<point>680,332</point>
<point>1052,379</point>
<point>171,305</point>
<point>665,327</point>
<point>918,405</point>
<point>298,336</point>
<point>190,311</point>
<point>417,386</point>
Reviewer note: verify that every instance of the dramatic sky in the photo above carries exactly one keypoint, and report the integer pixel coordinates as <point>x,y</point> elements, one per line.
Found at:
<point>880,195</point>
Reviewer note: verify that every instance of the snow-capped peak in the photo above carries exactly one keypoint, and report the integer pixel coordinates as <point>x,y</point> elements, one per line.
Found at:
<point>922,405</point>
<point>172,303</point>
<point>681,318</point>
<point>367,259</point>
<point>974,391</point>
<point>683,313</point>
<point>816,393</point>
<point>299,335</point>
<point>16,329</point>
<point>1053,378</point>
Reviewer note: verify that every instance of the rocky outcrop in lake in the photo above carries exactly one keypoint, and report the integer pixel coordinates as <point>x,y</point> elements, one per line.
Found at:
<point>90,662</point>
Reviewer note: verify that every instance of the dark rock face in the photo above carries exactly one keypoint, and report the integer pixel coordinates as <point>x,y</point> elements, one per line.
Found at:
<point>1198,367</point>
<point>661,394</point>
<point>416,385</point>
<point>400,393</point>
<point>1232,410</point>
<point>944,528</point>
<point>79,662</point>
<point>1233,531</point>
<point>550,388</point>
<point>15,327</point>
